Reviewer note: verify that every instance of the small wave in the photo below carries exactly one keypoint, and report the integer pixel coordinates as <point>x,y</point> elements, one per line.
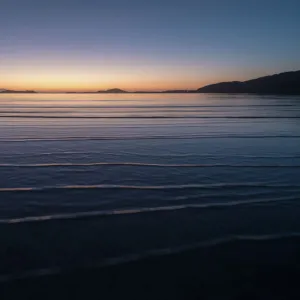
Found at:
<point>163,155</point>
<point>136,164</point>
<point>143,117</point>
<point>51,153</point>
<point>154,137</point>
<point>149,187</point>
<point>133,211</point>
<point>208,155</point>
<point>153,253</point>
<point>195,246</point>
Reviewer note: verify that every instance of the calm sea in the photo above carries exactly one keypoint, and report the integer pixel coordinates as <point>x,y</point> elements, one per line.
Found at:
<point>95,179</point>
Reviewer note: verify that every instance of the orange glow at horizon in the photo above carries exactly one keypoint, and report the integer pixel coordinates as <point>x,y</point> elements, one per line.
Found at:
<point>59,83</point>
<point>78,78</point>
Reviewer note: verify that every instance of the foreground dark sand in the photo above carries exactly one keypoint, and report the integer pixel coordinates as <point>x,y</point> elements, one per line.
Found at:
<point>233,270</point>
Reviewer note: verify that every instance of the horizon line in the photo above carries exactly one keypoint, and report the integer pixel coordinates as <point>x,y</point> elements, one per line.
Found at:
<point>121,90</point>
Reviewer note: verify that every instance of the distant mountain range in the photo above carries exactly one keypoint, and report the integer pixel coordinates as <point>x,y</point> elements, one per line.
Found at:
<point>283,83</point>
<point>116,91</point>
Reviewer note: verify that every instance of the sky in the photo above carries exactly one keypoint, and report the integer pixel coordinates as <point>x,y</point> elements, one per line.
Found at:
<point>86,45</point>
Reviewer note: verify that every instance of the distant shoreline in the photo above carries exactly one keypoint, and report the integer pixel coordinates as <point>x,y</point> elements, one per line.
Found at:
<point>287,83</point>
<point>181,93</point>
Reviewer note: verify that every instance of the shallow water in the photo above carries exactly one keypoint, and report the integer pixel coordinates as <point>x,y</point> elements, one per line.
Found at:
<point>87,178</point>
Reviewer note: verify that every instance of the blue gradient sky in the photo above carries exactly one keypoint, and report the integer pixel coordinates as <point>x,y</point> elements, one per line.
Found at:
<point>158,44</point>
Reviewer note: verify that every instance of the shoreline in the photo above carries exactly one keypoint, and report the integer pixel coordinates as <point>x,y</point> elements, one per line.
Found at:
<point>266,269</point>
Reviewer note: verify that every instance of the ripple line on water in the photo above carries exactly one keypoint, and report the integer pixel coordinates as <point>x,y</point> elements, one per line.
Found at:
<point>138,164</point>
<point>16,116</point>
<point>139,210</point>
<point>164,155</point>
<point>156,137</point>
<point>148,187</point>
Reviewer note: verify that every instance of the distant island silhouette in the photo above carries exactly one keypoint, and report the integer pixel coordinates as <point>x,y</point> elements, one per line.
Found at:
<point>113,91</point>
<point>283,83</point>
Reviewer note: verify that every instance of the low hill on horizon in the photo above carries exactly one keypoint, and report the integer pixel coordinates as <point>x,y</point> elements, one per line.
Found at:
<point>282,83</point>
<point>113,91</point>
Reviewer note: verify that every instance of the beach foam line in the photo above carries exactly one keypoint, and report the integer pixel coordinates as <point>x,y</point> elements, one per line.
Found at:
<point>114,261</point>
<point>195,246</point>
<point>133,211</point>
<point>149,187</point>
<point>137,164</point>
<point>164,155</point>
<point>208,155</point>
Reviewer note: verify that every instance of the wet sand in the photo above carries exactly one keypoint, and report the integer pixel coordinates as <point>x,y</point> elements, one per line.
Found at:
<point>234,270</point>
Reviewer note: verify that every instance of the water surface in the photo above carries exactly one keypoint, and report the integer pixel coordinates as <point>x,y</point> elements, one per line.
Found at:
<point>87,179</point>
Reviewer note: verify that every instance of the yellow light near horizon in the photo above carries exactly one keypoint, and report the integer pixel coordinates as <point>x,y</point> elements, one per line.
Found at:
<point>66,78</point>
